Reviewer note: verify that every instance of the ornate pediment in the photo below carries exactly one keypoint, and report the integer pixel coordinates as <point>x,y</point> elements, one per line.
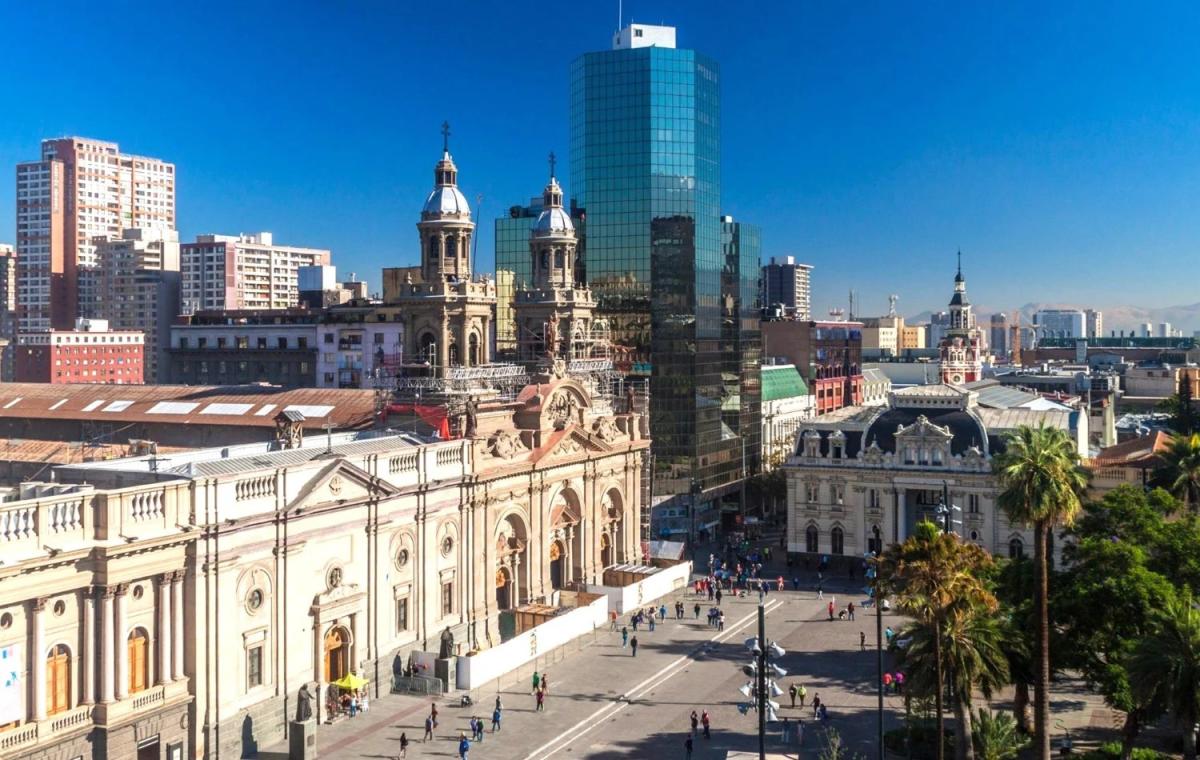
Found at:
<point>506,444</point>
<point>924,429</point>
<point>340,482</point>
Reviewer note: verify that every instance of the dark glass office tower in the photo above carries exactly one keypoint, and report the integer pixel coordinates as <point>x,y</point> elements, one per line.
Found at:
<point>645,174</point>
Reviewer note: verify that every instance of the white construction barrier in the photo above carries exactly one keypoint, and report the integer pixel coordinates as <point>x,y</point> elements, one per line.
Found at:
<point>651,587</point>
<point>476,670</point>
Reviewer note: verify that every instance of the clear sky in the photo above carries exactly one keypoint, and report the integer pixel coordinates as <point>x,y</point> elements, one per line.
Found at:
<point>1057,144</point>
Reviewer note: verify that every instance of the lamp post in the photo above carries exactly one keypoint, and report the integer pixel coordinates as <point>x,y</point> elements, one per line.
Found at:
<point>762,688</point>
<point>878,634</point>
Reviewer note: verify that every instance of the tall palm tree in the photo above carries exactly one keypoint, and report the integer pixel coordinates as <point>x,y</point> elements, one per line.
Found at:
<point>931,574</point>
<point>1165,667</point>
<point>1179,470</point>
<point>1040,484</point>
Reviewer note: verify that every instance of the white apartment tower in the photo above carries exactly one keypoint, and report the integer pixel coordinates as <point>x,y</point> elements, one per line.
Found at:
<point>79,191</point>
<point>243,272</point>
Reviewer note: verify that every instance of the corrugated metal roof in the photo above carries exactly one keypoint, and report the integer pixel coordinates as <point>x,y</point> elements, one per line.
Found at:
<point>1010,419</point>
<point>782,382</point>
<point>210,405</point>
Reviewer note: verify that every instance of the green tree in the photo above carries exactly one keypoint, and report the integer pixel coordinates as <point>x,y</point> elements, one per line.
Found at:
<point>1013,586</point>
<point>933,574</point>
<point>973,659</point>
<point>1165,667</point>
<point>1105,604</point>
<point>997,736</point>
<point>1040,483</point>
<point>1185,419</point>
<point>1179,470</point>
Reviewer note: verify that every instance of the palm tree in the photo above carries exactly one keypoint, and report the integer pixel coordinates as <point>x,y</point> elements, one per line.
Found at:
<point>1179,470</point>
<point>973,658</point>
<point>1040,483</point>
<point>997,736</point>
<point>931,574</point>
<point>1165,667</point>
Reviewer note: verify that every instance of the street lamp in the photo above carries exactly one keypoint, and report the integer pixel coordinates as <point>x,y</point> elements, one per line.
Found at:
<point>762,688</point>
<point>873,573</point>
<point>945,510</point>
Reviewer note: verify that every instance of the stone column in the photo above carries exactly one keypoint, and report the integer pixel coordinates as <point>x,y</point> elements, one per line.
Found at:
<point>569,560</point>
<point>514,565</point>
<point>88,662</point>
<point>177,624</point>
<point>108,667</point>
<point>120,642</point>
<point>164,628</point>
<point>38,652</point>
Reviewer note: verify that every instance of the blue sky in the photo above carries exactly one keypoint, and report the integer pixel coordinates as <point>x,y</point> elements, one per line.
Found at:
<point>1057,144</point>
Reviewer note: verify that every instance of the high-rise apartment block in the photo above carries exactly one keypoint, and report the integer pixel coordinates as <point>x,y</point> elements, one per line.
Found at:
<point>138,277</point>
<point>786,288</point>
<point>1060,323</point>
<point>998,336</point>
<point>79,191</point>
<point>243,272</point>
<point>1095,323</point>
<point>646,174</point>
<point>8,291</point>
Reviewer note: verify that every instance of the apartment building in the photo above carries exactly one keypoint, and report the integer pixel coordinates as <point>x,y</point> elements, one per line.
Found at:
<point>79,191</point>
<point>243,272</point>
<point>89,353</point>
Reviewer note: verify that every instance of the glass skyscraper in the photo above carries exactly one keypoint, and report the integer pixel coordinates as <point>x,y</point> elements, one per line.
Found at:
<point>679,288</point>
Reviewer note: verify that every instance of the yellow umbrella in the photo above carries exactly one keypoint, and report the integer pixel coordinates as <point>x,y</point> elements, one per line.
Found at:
<point>350,681</point>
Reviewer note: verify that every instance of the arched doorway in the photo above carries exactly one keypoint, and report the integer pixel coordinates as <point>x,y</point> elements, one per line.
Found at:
<point>613,513</point>
<point>454,357</point>
<point>139,660</point>
<point>503,589</point>
<point>58,680</point>
<point>558,562</point>
<point>426,348</point>
<point>606,551</point>
<point>473,350</point>
<point>836,541</point>
<point>337,653</point>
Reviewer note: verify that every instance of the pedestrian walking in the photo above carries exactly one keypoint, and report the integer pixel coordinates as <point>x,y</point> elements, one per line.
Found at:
<point>545,682</point>
<point>696,610</point>
<point>633,645</point>
<point>464,746</point>
<point>779,583</point>
<point>495,720</point>
<point>499,704</point>
<point>662,612</point>
<point>795,583</point>
<point>537,680</point>
<point>695,721</point>
<point>433,714</point>
<point>721,621</point>
<point>613,617</point>
<point>428,728</point>
<point>541,700</point>
<point>824,713</point>
<point>792,692</point>
<point>830,608</point>
<point>816,706</point>
<point>802,692</point>
<point>635,619</point>
<point>705,722</point>
<point>651,624</point>
<point>887,683</point>
<point>850,610</point>
<point>820,593</point>
<point>687,747</point>
<point>403,745</point>
<point>624,637</point>
<point>862,640</point>
<point>718,596</point>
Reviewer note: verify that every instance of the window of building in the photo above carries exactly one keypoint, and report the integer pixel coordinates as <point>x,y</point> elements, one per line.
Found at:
<point>873,498</point>
<point>281,342</point>
<point>220,342</point>
<point>973,503</point>
<point>839,493</point>
<point>402,614</point>
<point>58,680</point>
<point>202,342</point>
<point>302,342</point>
<point>812,493</point>
<point>328,337</point>
<point>139,660</point>
<point>447,598</point>
<point>254,666</point>
<point>811,540</point>
<point>379,337</point>
<point>243,341</point>
<point>1016,549</point>
<point>262,342</point>
<point>836,540</point>
<point>183,342</point>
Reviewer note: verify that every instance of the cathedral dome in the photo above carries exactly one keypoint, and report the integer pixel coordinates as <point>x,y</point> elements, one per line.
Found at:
<point>553,220</point>
<point>447,199</point>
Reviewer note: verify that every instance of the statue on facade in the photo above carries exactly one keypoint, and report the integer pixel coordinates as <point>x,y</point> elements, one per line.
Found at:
<point>472,417</point>
<point>447,649</point>
<point>304,704</point>
<point>629,397</point>
<point>552,336</point>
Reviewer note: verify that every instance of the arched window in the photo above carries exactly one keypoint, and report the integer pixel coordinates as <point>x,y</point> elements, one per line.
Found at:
<point>837,540</point>
<point>473,350</point>
<point>454,357</point>
<point>545,261</point>
<point>1016,548</point>
<point>811,540</point>
<point>139,660</point>
<point>435,248</point>
<point>451,247</point>
<point>558,259</point>
<point>426,349</point>
<point>58,680</point>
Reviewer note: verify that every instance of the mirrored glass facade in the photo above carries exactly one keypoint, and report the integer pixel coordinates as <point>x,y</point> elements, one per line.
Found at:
<point>645,174</point>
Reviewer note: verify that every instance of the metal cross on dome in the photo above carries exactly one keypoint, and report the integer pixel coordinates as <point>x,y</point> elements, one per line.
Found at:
<point>553,161</point>
<point>446,136</point>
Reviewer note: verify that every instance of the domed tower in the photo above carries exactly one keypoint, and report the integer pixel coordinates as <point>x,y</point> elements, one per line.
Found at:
<point>554,316</point>
<point>446,227</point>
<point>962,348</point>
<point>449,315</point>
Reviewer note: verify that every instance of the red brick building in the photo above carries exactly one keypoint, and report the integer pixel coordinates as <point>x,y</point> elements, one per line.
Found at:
<point>828,355</point>
<point>91,353</point>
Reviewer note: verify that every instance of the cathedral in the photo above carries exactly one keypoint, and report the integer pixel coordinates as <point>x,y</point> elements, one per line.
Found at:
<point>962,348</point>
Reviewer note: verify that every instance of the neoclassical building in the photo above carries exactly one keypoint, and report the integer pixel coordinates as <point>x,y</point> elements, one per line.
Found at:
<point>175,605</point>
<point>861,468</point>
<point>449,315</point>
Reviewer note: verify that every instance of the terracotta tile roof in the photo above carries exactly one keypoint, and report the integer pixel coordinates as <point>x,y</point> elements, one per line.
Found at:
<point>250,405</point>
<point>1138,451</point>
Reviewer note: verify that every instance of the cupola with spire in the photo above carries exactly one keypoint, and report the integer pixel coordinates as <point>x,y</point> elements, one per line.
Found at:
<point>446,227</point>
<point>552,239</point>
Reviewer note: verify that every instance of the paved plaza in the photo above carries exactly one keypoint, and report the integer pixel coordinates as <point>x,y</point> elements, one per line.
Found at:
<point>605,703</point>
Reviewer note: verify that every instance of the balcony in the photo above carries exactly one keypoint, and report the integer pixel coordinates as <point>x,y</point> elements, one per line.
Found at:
<point>51,729</point>
<point>144,701</point>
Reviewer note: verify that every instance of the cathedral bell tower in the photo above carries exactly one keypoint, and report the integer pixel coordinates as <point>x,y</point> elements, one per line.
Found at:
<point>962,348</point>
<point>449,315</point>
<point>554,315</point>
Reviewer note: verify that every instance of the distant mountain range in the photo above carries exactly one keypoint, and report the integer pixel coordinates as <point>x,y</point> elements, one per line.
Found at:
<point>1183,317</point>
